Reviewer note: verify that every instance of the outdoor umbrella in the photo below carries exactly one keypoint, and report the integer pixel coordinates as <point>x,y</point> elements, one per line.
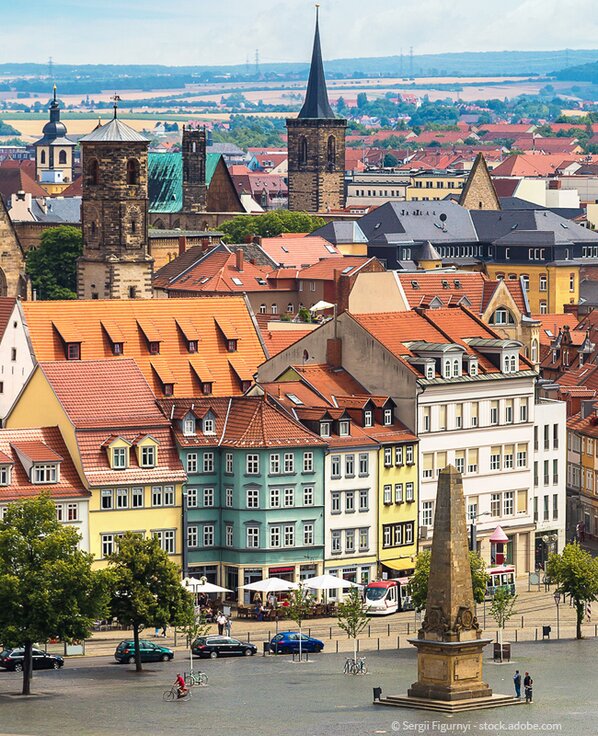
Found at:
<point>202,586</point>
<point>271,585</point>
<point>330,582</point>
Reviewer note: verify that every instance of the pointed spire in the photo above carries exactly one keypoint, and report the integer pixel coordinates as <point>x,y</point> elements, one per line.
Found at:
<point>316,103</point>
<point>54,94</point>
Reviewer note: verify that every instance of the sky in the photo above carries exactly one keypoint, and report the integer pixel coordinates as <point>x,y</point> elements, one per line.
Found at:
<point>204,32</point>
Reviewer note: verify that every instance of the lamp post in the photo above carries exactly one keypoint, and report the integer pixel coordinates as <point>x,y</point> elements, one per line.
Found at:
<point>557,601</point>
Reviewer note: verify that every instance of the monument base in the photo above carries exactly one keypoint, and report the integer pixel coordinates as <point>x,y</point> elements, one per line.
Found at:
<point>445,706</point>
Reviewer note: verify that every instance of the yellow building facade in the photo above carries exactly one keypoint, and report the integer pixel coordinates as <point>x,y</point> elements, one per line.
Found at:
<point>434,185</point>
<point>549,287</point>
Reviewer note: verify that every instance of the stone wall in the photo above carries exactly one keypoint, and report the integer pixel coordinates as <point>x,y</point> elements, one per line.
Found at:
<point>13,281</point>
<point>194,169</point>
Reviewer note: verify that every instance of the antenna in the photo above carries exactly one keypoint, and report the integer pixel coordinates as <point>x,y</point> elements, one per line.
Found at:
<point>247,65</point>
<point>257,62</point>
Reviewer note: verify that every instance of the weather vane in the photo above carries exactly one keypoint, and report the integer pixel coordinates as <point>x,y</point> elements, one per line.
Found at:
<point>116,99</point>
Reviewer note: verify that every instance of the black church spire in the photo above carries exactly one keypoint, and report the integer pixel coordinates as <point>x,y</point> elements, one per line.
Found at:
<point>316,103</point>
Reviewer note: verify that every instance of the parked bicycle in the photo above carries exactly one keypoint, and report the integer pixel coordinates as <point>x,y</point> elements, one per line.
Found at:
<point>355,666</point>
<point>196,678</point>
<point>173,694</point>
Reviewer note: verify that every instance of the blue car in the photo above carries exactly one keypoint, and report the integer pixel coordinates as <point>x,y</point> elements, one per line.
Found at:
<point>287,642</point>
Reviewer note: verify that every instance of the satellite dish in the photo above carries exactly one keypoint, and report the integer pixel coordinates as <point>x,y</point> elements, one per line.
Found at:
<point>443,217</point>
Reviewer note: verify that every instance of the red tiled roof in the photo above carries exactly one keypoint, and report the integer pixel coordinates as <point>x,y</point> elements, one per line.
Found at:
<point>329,269</point>
<point>553,323</point>
<point>75,189</point>
<point>278,340</point>
<point>297,252</point>
<point>529,164</point>
<point>13,180</point>
<point>36,451</point>
<point>587,426</point>
<point>7,305</point>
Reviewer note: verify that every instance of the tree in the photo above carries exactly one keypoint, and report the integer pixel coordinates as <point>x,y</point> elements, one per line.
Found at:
<point>146,587</point>
<point>300,605</point>
<point>352,617</point>
<point>418,584</point>
<point>575,572</point>
<point>269,225</point>
<point>362,100</point>
<point>390,160</point>
<point>53,265</point>
<point>502,608</point>
<point>47,587</point>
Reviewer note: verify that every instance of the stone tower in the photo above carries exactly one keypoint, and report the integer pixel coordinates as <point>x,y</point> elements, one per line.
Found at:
<point>479,192</point>
<point>114,214</point>
<point>316,146</point>
<point>194,169</point>
<point>54,153</point>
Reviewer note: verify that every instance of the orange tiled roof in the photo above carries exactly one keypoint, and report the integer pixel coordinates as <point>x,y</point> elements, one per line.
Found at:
<point>36,451</point>
<point>88,318</point>
<point>7,304</point>
<point>297,252</point>
<point>552,323</point>
<point>70,484</point>
<point>587,426</point>
<point>278,340</point>
<point>329,269</point>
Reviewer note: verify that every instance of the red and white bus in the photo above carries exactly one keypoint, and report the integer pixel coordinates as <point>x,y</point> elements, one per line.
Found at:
<point>500,577</point>
<point>383,597</point>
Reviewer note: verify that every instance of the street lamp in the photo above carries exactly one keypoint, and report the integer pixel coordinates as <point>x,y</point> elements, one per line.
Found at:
<point>473,529</point>
<point>557,600</point>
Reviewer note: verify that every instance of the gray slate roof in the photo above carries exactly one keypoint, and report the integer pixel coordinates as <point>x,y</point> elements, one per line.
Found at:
<point>114,132</point>
<point>58,210</point>
<point>341,231</point>
<point>492,225</point>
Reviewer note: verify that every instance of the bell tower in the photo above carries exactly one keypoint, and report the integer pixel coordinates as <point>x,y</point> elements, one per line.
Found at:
<point>194,169</point>
<point>316,146</point>
<point>114,214</point>
<point>54,153</point>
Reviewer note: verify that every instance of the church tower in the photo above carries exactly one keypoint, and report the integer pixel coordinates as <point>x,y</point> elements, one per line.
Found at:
<point>316,146</point>
<point>114,214</point>
<point>194,169</point>
<point>54,153</point>
<point>479,192</point>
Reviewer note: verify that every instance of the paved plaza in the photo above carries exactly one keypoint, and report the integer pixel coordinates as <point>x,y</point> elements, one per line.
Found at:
<point>270,696</point>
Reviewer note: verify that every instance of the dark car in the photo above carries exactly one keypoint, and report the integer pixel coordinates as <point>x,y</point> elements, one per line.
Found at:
<point>221,646</point>
<point>287,642</point>
<point>150,652</point>
<point>12,659</point>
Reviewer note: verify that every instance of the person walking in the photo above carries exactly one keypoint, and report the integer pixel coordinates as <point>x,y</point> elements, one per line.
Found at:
<point>517,683</point>
<point>221,621</point>
<point>228,625</point>
<point>528,684</point>
<point>156,630</point>
<point>164,631</point>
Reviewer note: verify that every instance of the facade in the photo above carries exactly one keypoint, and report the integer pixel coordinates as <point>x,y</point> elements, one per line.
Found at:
<point>254,496</point>
<point>13,278</point>
<point>316,146</point>
<point>116,263</point>
<point>194,169</point>
<point>16,358</point>
<point>432,186</point>
<point>120,444</point>
<point>582,472</point>
<point>54,153</point>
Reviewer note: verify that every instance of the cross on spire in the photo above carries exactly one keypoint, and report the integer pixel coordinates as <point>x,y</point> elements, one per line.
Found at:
<point>116,99</point>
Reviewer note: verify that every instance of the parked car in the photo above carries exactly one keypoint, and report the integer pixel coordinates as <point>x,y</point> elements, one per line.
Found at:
<point>221,646</point>
<point>287,642</point>
<point>150,652</point>
<point>12,659</point>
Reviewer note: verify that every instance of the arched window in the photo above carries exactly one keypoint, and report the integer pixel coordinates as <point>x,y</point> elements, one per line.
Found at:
<point>3,285</point>
<point>502,316</point>
<point>331,154</point>
<point>132,171</point>
<point>513,364</point>
<point>42,157</point>
<point>534,354</point>
<point>262,309</point>
<point>93,171</point>
<point>62,157</point>
<point>456,371</point>
<point>93,229</point>
<point>303,150</point>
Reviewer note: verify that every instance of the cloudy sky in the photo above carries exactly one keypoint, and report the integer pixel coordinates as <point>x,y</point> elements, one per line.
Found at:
<point>181,32</point>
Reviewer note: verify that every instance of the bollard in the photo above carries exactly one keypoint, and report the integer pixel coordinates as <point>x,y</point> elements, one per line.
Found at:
<point>269,635</point>
<point>595,629</point>
<point>337,646</point>
<point>497,636</point>
<point>536,634</point>
<point>378,643</point>
<point>388,625</point>
<point>309,631</point>
<point>522,622</point>
<point>248,636</point>
<point>330,632</point>
<point>357,642</point>
<point>398,642</point>
<point>175,636</point>
<point>515,636</point>
<point>369,631</point>
<point>407,628</point>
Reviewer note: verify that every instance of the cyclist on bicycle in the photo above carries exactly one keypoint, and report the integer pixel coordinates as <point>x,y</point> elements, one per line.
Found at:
<point>181,686</point>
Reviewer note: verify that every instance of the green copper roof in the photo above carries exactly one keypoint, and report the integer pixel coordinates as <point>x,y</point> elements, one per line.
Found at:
<point>165,186</point>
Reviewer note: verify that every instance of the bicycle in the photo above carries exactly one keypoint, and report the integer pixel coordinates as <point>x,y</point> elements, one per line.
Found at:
<point>196,678</point>
<point>355,666</point>
<point>173,694</point>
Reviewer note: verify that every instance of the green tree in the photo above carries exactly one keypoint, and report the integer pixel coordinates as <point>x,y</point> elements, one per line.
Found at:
<point>390,160</point>
<point>299,608</point>
<point>269,225</point>
<point>6,129</point>
<point>52,266</point>
<point>418,584</point>
<point>193,625</point>
<point>362,100</point>
<point>352,617</point>
<point>146,587</point>
<point>47,587</point>
<point>502,608</point>
<point>575,572</point>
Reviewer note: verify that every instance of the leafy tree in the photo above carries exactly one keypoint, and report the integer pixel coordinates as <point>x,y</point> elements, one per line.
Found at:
<point>575,572</point>
<point>299,608</point>
<point>352,617</point>
<point>502,608</point>
<point>6,129</point>
<point>390,160</point>
<point>52,266</point>
<point>362,100</point>
<point>146,587</point>
<point>269,225</point>
<point>47,587</point>
<point>418,584</point>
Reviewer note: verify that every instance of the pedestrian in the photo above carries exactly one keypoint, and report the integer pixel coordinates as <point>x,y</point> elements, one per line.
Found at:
<point>257,598</point>
<point>164,631</point>
<point>228,625</point>
<point>527,684</point>
<point>221,621</point>
<point>517,683</point>
<point>156,630</point>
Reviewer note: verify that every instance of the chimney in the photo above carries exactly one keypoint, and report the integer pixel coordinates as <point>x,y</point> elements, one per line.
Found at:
<point>334,352</point>
<point>182,244</point>
<point>587,407</point>
<point>239,259</point>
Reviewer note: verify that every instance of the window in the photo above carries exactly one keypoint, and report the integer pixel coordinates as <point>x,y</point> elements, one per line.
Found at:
<point>409,454</point>
<point>458,416</point>
<point>495,458</point>
<point>120,457</point>
<point>426,419</point>
<point>45,473</point>
<point>324,429</point>
<point>387,494</point>
<point>308,496</point>
<point>495,504</point>
<point>228,496</point>
<point>571,282</point>
<point>427,513</point>
<point>387,457</point>
<point>253,498</point>
<point>387,535</point>
<point>508,503</point>
<point>535,473</point>
<point>92,170</point>
<point>302,152</point>
<point>555,436</point>
<point>72,512</point>
<point>262,309</point>
<point>543,307</point>
<point>555,472</point>
<point>350,502</point>
<point>228,467</point>
<point>253,536</point>
<point>122,498</point>
<point>398,493</point>
<point>335,538</point>
<point>106,499</point>
<point>274,464</point>
<point>364,464</point>
<point>208,462</point>
<point>107,544</point>
<point>349,466</point>
<point>289,497</point>
<point>546,472</point>
<point>547,437</point>
<point>274,498</point>
<point>189,426</point>
<point>502,316</point>
<point>231,346</point>
<point>343,428</point>
<point>335,502</point>
<point>555,506</point>
<point>252,464</point>
<point>208,535</point>
<point>472,509</point>
<point>472,460</point>
<point>364,500</point>
<point>274,309</point>
<point>335,466</point>
<point>289,535</point>
<point>192,536</point>
<point>191,494</point>
<point>474,413</point>
<point>543,282</point>
<point>442,417</point>
<point>228,535</point>
<point>409,492</point>
<point>154,348</point>
<point>132,171</point>
<point>387,417</point>
<point>208,497</point>
<point>209,426</point>
<point>350,540</point>
<point>289,462</point>
<point>308,462</point>
<point>509,411</point>
<point>274,536</point>
<point>428,465</point>
<point>508,457</point>
<point>169,496</point>
<point>494,412</point>
<point>522,456</point>
<point>460,460</point>
<point>191,346</point>
<point>399,455</point>
<point>368,418</point>
<point>308,534</point>
<point>148,456</point>
<point>166,539</point>
<point>192,462</point>
<point>523,410</point>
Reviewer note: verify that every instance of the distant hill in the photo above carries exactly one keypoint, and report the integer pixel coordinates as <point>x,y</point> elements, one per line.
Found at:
<point>582,73</point>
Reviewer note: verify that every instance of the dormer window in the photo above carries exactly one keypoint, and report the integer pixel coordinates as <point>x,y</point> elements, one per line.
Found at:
<point>154,348</point>
<point>120,458</point>
<point>344,428</point>
<point>168,389</point>
<point>148,456</point>
<point>118,348</point>
<point>231,346</point>
<point>209,425</point>
<point>46,473</point>
<point>324,429</point>
<point>456,368</point>
<point>73,351</point>
<point>192,346</point>
<point>206,388</point>
<point>387,417</point>
<point>368,418</point>
<point>473,367</point>
<point>429,370</point>
<point>446,369</point>
<point>245,386</point>
<point>510,362</point>
<point>5,474</point>
<point>189,426</point>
